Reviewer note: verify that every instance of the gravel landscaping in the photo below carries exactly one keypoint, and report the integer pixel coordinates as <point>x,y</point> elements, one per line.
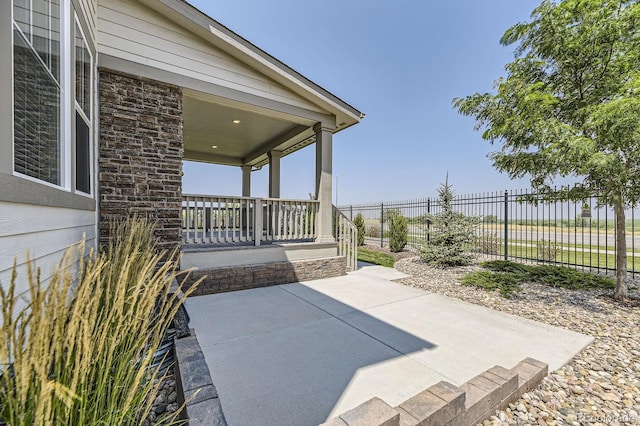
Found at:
<point>165,402</point>
<point>600,386</point>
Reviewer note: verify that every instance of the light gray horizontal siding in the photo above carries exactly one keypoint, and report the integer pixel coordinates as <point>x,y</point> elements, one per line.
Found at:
<point>133,32</point>
<point>42,234</point>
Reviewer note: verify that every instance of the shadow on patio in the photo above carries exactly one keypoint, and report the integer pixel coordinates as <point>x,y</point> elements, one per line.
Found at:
<point>301,353</point>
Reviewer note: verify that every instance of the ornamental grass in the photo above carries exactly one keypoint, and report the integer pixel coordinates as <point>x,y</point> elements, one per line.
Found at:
<point>78,349</point>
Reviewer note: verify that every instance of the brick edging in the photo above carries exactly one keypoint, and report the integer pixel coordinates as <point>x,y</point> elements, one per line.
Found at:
<point>194,384</point>
<point>446,404</point>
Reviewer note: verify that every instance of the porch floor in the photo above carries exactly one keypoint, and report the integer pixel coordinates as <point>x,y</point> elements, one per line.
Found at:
<point>298,354</point>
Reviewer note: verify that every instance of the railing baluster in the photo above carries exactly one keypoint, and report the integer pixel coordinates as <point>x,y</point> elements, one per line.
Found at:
<point>201,224</point>
<point>218,219</point>
<point>233,235</point>
<point>285,221</point>
<point>211,201</point>
<point>240,219</point>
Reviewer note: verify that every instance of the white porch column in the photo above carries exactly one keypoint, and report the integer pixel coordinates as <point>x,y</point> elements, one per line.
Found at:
<point>324,159</point>
<point>246,181</point>
<point>274,173</point>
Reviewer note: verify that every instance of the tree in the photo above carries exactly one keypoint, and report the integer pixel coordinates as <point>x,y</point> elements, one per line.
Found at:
<point>358,221</point>
<point>569,105</point>
<point>451,233</point>
<point>398,232</point>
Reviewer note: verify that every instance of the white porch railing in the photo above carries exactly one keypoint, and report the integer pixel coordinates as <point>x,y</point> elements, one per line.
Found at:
<point>213,219</point>
<point>346,235</point>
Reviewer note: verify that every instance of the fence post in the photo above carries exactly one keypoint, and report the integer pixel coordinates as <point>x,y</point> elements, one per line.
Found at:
<point>381,224</point>
<point>506,225</point>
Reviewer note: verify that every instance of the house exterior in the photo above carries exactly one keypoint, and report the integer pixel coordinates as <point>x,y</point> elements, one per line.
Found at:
<point>108,97</point>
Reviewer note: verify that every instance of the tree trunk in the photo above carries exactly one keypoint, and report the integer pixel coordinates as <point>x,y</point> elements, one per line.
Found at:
<point>621,252</point>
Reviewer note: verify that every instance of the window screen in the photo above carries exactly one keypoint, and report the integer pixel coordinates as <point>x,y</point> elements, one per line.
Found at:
<point>36,115</point>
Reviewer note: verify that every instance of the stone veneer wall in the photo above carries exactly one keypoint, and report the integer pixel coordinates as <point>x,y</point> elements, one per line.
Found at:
<point>232,278</point>
<point>140,154</point>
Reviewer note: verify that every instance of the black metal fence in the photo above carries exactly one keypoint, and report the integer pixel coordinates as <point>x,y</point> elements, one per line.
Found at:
<point>523,225</point>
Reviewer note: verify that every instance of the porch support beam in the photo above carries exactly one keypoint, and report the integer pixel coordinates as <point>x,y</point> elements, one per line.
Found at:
<point>246,181</point>
<point>211,158</point>
<point>324,170</point>
<point>274,143</point>
<point>274,173</point>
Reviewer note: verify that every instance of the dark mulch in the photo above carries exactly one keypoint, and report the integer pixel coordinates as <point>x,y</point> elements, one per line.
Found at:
<point>397,256</point>
<point>631,302</point>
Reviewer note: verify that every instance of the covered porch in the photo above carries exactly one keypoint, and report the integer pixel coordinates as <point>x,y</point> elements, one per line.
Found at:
<point>225,230</point>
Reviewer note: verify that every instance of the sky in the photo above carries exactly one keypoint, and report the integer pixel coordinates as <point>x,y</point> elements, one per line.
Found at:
<point>401,63</point>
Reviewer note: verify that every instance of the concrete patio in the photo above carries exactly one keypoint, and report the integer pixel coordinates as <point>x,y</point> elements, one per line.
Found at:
<point>298,354</point>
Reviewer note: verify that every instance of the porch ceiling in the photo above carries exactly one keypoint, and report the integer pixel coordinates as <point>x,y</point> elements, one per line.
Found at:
<point>209,122</point>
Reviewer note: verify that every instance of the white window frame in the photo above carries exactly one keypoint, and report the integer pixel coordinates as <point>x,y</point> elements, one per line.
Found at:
<point>89,120</point>
<point>66,70</point>
<point>63,84</point>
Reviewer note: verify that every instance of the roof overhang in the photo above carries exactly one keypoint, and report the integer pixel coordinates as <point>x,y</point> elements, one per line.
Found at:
<point>217,130</point>
<point>222,37</point>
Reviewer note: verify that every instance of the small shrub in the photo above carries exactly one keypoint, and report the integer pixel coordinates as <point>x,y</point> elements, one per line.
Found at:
<point>558,276</point>
<point>507,266</point>
<point>445,256</point>
<point>398,232</point>
<point>358,221</point>
<point>373,231</point>
<point>506,277</point>
<point>547,250</point>
<point>451,233</point>
<point>488,243</point>
<point>506,283</point>
<point>387,214</point>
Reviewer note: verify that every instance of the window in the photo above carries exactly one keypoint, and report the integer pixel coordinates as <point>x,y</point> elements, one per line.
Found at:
<point>83,112</point>
<point>37,89</point>
<point>51,62</point>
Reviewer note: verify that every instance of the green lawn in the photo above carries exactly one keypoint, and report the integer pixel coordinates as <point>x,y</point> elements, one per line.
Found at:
<point>375,257</point>
<point>574,257</point>
<point>565,244</point>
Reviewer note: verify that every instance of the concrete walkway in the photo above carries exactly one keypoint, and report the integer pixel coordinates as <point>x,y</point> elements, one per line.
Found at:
<point>298,354</point>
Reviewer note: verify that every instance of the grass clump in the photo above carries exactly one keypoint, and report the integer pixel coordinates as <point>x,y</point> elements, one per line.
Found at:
<point>506,277</point>
<point>80,351</point>
<point>375,257</point>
